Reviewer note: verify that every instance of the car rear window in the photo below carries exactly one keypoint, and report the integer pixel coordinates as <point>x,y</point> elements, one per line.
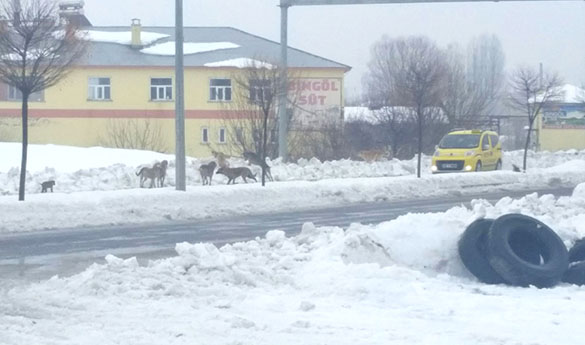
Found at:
<point>460,141</point>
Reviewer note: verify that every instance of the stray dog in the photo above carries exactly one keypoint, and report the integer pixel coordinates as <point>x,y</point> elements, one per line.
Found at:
<point>254,159</point>
<point>162,167</point>
<point>206,171</point>
<point>45,186</point>
<point>233,173</point>
<point>221,159</point>
<point>372,155</point>
<point>156,174</point>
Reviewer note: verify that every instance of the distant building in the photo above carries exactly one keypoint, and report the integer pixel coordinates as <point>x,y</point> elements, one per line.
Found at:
<point>561,124</point>
<point>129,74</point>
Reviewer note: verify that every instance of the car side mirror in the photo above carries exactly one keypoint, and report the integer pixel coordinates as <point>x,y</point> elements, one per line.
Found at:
<point>486,147</point>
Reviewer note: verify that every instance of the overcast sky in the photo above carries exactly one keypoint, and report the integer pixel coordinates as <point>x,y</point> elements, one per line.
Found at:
<point>551,32</point>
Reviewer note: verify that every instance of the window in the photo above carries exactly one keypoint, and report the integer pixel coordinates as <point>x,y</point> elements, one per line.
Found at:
<point>495,140</point>
<point>485,143</point>
<point>459,141</point>
<point>221,137</point>
<point>99,89</point>
<point>220,90</point>
<point>204,135</point>
<point>260,91</point>
<point>14,94</point>
<point>161,89</point>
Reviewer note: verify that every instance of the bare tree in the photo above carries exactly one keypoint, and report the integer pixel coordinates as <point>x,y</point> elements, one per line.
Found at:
<point>36,51</point>
<point>411,73</point>
<point>250,115</point>
<point>398,123</point>
<point>137,134</point>
<point>474,85</point>
<point>529,92</point>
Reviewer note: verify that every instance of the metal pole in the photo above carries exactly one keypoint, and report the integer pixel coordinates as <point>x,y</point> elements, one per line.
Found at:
<point>283,89</point>
<point>180,100</point>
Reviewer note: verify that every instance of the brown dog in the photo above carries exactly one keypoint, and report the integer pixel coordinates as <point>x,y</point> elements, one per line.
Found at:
<point>233,173</point>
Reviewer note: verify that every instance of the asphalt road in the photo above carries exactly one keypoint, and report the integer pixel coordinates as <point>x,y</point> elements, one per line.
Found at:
<point>39,255</point>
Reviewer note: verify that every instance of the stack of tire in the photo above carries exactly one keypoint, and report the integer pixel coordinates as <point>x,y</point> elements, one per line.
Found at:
<point>518,250</point>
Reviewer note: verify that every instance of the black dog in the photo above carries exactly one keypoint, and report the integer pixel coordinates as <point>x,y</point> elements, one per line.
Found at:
<point>47,185</point>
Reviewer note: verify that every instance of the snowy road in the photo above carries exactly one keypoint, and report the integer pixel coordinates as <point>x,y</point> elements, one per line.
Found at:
<point>39,255</point>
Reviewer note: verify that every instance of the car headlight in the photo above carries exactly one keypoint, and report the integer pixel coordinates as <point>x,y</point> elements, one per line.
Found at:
<point>468,168</point>
<point>437,153</point>
<point>434,168</point>
<point>469,153</point>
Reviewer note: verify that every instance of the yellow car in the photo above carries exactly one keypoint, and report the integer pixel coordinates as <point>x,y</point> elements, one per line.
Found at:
<point>470,150</point>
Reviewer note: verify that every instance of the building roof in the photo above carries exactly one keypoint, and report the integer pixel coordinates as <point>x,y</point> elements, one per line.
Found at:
<point>211,46</point>
<point>572,94</point>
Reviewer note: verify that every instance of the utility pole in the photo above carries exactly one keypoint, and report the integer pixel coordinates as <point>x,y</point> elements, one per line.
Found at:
<point>283,88</point>
<point>180,183</point>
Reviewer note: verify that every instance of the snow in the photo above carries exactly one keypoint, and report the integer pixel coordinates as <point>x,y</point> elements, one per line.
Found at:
<point>360,114</point>
<point>168,48</point>
<point>240,63</point>
<point>121,37</point>
<point>398,282</point>
<point>97,186</point>
<point>572,94</point>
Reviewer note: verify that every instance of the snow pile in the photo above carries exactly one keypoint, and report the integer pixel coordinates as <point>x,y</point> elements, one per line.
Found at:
<point>58,210</point>
<point>393,283</point>
<point>168,48</point>
<point>92,169</point>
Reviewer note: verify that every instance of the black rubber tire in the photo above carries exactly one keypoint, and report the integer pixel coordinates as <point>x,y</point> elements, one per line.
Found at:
<point>514,269</point>
<point>498,165</point>
<point>472,248</point>
<point>575,274</point>
<point>478,166</point>
<point>577,251</point>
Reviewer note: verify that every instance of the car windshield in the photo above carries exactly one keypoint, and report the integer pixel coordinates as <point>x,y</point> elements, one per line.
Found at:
<point>460,141</point>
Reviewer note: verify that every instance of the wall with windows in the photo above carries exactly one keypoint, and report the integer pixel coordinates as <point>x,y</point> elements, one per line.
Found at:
<point>79,109</point>
<point>561,127</point>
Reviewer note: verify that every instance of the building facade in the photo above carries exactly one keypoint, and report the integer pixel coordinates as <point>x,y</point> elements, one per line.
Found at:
<point>127,83</point>
<point>561,124</point>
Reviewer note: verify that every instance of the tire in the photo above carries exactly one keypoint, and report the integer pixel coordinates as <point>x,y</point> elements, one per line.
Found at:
<point>577,252</point>
<point>478,166</point>
<point>498,165</point>
<point>575,274</point>
<point>515,270</point>
<point>472,248</point>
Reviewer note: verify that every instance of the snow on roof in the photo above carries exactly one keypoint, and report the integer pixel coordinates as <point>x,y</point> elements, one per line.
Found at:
<point>122,37</point>
<point>359,114</point>
<point>240,63</point>
<point>573,94</point>
<point>168,48</point>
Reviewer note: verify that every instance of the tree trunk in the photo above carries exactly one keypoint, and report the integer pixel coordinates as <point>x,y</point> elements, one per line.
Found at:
<point>530,123</point>
<point>420,145</point>
<point>263,155</point>
<point>22,185</point>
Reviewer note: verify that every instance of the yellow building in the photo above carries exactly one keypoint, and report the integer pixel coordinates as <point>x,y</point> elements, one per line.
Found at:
<point>126,83</point>
<point>561,125</point>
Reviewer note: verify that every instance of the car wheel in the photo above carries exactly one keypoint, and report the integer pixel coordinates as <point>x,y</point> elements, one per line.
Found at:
<point>514,269</point>
<point>478,166</point>
<point>472,248</point>
<point>499,165</point>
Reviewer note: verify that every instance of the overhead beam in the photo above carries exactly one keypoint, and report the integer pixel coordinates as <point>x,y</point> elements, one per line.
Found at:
<point>289,3</point>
